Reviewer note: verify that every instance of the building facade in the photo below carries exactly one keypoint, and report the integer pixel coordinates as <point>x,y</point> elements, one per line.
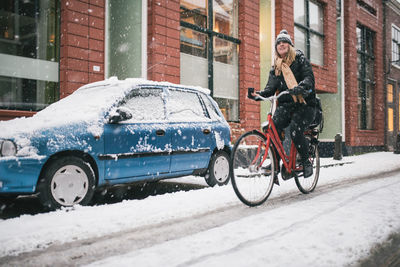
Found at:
<point>49,48</point>
<point>363,75</point>
<point>392,71</point>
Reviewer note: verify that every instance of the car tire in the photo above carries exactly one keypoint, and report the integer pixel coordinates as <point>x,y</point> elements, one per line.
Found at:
<point>219,169</point>
<point>66,182</point>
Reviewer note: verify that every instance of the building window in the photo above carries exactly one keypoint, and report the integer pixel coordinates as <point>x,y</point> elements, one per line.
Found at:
<point>29,54</point>
<point>124,47</point>
<point>209,50</point>
<point>365,75</point>
<point>395,45</point>
<point>309,29</point>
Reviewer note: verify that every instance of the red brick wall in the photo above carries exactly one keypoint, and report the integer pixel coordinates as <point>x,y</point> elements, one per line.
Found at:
<point>81,44</point>
<point>6,115</point>
<point>326,75</point>
<point>249,65</point>
<point>163,37</point>
<point>354,14</point>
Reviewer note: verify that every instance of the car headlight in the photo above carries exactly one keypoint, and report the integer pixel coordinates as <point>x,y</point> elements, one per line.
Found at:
<point>8,148</point>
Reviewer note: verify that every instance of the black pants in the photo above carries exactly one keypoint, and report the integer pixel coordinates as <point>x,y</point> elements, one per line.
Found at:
<point>298,117</point>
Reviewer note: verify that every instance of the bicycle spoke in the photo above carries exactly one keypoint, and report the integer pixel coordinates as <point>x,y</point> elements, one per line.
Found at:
<point>251,181</point>
<point>307,185</point>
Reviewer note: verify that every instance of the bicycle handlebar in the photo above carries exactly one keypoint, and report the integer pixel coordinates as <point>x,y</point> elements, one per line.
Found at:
<point>258,97</point>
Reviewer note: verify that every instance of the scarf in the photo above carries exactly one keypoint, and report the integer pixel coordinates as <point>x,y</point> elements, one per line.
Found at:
<point>282,65</point>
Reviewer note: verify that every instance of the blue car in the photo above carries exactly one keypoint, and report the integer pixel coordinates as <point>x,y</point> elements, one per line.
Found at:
<point>114,132</point>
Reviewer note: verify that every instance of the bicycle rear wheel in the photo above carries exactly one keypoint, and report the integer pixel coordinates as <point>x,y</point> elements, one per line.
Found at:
<point>252,169</point>
<point>307,185</point>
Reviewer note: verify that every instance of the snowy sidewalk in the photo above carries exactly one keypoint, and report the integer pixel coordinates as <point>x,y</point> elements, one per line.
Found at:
<point>334,227</point>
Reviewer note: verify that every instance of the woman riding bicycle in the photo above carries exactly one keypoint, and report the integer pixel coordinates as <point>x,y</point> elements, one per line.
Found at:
<point>292,71</point>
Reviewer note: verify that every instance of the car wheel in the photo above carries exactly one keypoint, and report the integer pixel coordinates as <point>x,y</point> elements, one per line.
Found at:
<point>66,182</point>
<point>219,169</point>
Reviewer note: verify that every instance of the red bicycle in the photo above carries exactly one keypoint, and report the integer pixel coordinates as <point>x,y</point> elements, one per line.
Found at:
<point>254,163</point>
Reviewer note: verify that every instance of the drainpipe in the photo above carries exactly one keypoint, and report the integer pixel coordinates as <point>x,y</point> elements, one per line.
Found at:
<point>342,70</point>
<point>385,69</point>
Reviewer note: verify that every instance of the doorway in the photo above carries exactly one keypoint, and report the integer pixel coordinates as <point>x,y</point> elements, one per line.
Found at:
<point>392,114</point>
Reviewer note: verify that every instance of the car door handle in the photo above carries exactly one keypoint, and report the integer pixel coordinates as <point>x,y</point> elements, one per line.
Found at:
<point>206,131</point>
<point>160,132</point>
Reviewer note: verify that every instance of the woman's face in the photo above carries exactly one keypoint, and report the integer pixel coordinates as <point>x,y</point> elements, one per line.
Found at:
<point>282,48</point>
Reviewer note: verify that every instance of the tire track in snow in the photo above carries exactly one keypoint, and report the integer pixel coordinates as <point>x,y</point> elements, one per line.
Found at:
<point>286,229</point>
<point>87,251</point>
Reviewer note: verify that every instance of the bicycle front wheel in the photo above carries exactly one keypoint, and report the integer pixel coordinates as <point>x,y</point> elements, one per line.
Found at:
<point>252,168</point>
<point>307,185</point>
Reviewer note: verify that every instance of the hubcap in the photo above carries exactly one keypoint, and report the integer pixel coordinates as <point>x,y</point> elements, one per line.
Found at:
<point>221,169</point>
<point>69,185</point>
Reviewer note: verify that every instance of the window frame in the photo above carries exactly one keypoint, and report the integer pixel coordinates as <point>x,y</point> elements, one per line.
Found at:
<point>395,32</point>
<point>308,30</point>
<point>48,76</point>
<point>209,31</point>
<point>362,79</point>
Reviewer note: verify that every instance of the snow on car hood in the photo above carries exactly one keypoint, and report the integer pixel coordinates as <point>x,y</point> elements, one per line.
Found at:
<point>86,106</point>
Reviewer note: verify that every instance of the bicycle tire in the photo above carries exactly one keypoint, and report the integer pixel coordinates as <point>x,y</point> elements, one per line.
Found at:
<point>251,181</point>
<point>307,185</point>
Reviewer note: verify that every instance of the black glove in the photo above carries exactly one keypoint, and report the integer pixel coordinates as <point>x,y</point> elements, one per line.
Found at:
<point>250,95</point>
<point>297,90</point>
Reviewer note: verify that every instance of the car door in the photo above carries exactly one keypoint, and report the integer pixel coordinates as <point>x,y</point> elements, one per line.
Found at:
<point>192,135</point>
<point>139,146</point>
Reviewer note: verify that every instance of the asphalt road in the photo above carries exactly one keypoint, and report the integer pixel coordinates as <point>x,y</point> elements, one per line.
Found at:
<point>386,254</point>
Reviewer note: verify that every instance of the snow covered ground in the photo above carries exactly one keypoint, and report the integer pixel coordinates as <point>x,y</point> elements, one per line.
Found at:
<point>335,226</point>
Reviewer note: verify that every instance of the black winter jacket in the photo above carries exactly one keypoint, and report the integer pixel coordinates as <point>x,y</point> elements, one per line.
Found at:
<point>302,70</point>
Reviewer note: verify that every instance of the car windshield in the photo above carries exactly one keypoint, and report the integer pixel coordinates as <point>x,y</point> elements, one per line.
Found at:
<point>85,105</point>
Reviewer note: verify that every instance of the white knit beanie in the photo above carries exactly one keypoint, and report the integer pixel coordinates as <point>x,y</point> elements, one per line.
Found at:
<point>283,36</point>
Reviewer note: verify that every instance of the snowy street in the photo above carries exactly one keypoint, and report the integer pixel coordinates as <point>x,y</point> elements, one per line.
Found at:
<point>354,208</point>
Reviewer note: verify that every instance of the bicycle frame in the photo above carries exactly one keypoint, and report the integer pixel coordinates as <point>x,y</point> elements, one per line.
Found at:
<point>289,161</point>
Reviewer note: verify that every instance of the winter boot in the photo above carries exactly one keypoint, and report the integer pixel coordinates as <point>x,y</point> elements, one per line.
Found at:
<point>307,169</point>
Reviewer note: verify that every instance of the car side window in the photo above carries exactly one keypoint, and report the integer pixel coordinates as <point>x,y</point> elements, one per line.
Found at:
<point>185,106</point>
<point>145,104</point>
<point>212,111</point>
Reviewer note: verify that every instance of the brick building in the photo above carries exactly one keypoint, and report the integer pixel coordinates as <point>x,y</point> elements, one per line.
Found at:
<point>363,74</point>
<point>224,45</point>
<point>392,70</point>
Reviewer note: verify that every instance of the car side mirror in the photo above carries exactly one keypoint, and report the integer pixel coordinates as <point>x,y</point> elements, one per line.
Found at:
<point>121,114</point>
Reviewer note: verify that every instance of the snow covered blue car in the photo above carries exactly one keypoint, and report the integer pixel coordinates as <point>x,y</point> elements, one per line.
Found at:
<point>114,132</point>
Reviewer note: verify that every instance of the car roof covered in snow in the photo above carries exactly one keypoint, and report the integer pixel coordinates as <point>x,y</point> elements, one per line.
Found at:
<point>133,82</point>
